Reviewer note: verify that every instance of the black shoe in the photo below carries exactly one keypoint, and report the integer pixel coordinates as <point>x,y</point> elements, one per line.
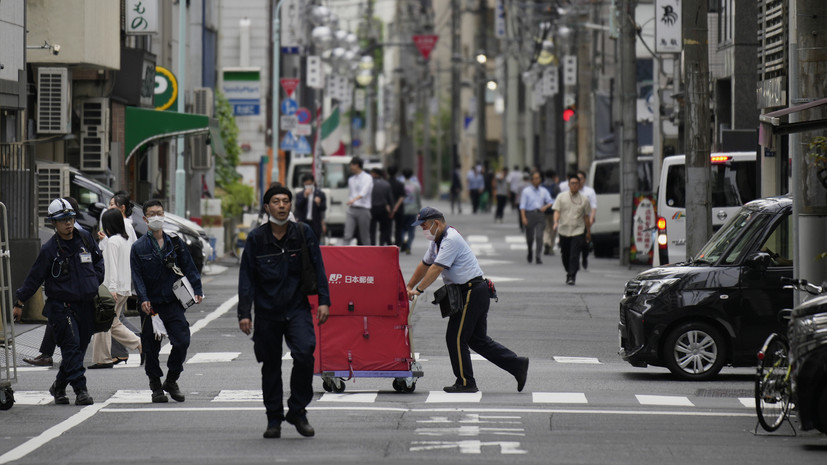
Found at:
<point>460,388</point>
<point>570,281</point>
<point>299,420</point>
<point>529,256</point>
<point>83,398</point>
<point>585,263</point>
<point>273,432</point>
<point>59,393</point>
<point>171,386</point>
<point>101,365</point>
<point>40,361</point>
<point>522,374</point>
<point>158,396</point>
<point>539,260</point>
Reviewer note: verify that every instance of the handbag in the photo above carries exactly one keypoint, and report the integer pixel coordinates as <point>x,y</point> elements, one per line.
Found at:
<point>450,298</point>
<point>104,310</point>
<point>182,288</point>
<point>308,283</point>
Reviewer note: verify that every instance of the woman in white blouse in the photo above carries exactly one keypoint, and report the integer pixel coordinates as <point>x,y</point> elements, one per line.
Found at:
<point>118,279</point>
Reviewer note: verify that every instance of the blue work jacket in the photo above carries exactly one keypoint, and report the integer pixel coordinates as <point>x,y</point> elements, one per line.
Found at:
<point>151,275</point>
<point>270,273</point>
<point>71,270</point>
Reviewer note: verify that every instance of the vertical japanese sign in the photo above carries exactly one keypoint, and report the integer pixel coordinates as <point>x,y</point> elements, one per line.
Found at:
<point>292,26</point>
<point>643,228</point>
<point>668,27</point>
<point>314,72</point>
<point>499,19</point>
<point>141,17</point>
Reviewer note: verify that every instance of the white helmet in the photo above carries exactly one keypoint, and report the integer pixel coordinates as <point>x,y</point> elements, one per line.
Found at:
<point>60,209</point>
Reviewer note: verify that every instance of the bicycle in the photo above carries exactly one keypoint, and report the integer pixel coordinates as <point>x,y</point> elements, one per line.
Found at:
<point>773,386</point>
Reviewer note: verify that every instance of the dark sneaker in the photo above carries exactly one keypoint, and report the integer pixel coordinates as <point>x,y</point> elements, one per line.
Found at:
<point>299,420</point>
<point>83,398</point>
<point>273,432</point>
<point>460,388</point>
<point>570,281</point>
<point>59,393</point>
<point>40,361</point>
<point>158,397</point>
<point>539,260</point>
<point>529,256</point>
<point>172,388</point>
<point>522,374</point>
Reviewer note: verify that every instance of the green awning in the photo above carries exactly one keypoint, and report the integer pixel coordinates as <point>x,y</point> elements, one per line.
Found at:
<point>145,125</point>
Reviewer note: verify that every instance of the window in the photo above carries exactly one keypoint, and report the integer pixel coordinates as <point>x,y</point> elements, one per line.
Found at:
<point>86,197</point>
<point>780,243</point>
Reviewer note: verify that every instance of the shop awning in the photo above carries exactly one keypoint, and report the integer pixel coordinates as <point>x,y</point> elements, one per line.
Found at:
<point>771,123</point>
<point>143,125</point>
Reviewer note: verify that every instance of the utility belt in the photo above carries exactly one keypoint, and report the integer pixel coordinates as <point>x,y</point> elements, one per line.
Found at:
<point>453,298</point>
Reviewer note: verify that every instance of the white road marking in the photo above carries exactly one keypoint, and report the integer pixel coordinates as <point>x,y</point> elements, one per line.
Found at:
<point>470,430</point>
<point>453,397</point>
<point>559,398</point>
<point>476,238</point>
<point>502,279</point>
<point>32,397</point>
<point>360,397</point>
<point>132,396</point>
<point>477,357</point>
<point>468,446</point>
<point>200,324</point>
<point>585,360</point>
<point>680,401</point>
<point>515,239</point>
<point>213,357</point>
<point>747,401</point>
<point>518,247</point>
<point>30,369</point>
<point>239,395</point>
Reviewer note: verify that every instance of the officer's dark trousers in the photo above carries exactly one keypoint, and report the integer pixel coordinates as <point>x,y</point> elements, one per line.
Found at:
<point>469,329</point>
<point>297,331</point>
<point>71,325</point>
<point>570,249</point>
<point>178,331</point>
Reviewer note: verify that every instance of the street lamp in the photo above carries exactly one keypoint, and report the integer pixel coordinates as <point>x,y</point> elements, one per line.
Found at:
<point>481,58</point>
<point>491,85</point>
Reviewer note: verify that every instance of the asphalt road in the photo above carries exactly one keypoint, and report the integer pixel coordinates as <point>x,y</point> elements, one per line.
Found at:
<point>582,404</point>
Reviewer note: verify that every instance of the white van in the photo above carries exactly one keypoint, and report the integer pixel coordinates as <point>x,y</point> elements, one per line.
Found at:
<point>333,183</point>
<point>733,184</point>
<point>604,178</point>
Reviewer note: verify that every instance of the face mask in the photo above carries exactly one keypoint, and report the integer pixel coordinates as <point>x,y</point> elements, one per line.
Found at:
<point>278,222</point>
<point>155,223</point>
<point>428,234</point>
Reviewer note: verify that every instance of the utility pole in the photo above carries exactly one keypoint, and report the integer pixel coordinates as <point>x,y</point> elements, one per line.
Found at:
<point>808,45</point>
<point>481,82</point>
<point>628,130</point>
<point>180,201</point>
<point>696,77</point>
<point>456,55</point>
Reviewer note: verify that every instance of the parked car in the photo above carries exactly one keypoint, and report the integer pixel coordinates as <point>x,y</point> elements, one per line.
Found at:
<point>718,308</point>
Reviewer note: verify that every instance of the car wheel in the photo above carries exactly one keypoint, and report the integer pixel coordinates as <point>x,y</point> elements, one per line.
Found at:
<point>695,351</point>
<point>821,411</point>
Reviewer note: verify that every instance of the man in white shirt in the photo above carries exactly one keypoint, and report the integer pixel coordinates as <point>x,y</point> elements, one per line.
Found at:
<point>592,196</point>
<point>360,187</point>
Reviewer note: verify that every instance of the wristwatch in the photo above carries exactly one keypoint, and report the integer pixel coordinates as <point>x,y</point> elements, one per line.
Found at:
<point>17,305</point>
<point>419,290</point>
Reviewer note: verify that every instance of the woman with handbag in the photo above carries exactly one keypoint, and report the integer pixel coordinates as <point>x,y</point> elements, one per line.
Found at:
<point>118,279</point>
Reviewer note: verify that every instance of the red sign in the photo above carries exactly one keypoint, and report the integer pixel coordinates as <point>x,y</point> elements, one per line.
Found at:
<point>425,43</point>
<point>289,85</point>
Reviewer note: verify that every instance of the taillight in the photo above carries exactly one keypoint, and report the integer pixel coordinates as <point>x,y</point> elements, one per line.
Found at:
<point>663,251</point>
<point>761,355</point>
<point>719,159</point>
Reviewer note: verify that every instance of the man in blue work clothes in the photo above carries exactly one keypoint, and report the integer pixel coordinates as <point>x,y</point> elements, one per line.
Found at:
<point>158,261</point>
<point>270,279</point>
<point>71,265</point>
<point>448,254</point>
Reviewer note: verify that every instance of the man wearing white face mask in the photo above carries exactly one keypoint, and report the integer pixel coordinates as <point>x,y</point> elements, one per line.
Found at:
<point>449,255</point>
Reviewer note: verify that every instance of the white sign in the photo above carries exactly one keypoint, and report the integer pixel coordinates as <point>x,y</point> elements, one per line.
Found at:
<point>292,26</point>
<point>570,70</point>
<point>303,130</point>
<point>289,123</point>
<point>141,17</point>
<point>314,72</point>
<point>668,31</point>
<point>550,81</point>
<point>359,100</point>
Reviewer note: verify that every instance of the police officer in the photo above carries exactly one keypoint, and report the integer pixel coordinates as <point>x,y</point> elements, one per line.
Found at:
<point>269,279</point>
<point>71,265</point>
<point>156,259</point>
<point>448,254</point>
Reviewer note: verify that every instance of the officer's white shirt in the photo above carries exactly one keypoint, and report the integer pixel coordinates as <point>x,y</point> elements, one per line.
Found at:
<point>455,256</point>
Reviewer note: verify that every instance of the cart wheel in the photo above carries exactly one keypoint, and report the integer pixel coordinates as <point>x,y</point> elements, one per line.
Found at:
<point>397,385</point>
<point>6,398</point>
<point>326,385</point>
<point>408,390</point>
<point>338,385</point>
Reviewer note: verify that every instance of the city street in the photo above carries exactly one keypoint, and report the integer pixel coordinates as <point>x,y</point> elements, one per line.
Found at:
<point>581,404</point>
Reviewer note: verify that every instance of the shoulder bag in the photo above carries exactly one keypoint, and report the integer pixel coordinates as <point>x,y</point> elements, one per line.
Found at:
<point>104,310</point>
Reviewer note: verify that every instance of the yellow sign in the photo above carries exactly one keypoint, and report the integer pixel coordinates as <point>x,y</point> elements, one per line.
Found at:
<point>166,88</point>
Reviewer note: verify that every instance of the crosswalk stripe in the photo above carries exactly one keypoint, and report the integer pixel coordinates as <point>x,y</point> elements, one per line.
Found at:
<point>559,398</point>
<point>584,360</point>
<point>515,239</point>
<point>453,397</point>
<point>747,401</point>
<point>132,396</point>
<point>239,395</point>
<point>212,357</point>
<point>675,401</point>
<point>32,397</point>
<point>476,238</point>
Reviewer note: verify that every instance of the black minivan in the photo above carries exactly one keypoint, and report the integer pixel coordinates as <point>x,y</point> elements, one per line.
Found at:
<point>717,308</point>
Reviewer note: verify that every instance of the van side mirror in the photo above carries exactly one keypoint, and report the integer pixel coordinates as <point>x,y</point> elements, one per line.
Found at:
<point>759,261</point>
<point>97,208</point>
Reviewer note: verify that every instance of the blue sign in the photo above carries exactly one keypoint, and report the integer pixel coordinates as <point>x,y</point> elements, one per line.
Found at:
<point>249,107</point>
<point>303,115</point>
<point>303,146</point>
<point>289,106</point>
<point>356,143</point>
<point>290,142</point>
<point>357,122</point>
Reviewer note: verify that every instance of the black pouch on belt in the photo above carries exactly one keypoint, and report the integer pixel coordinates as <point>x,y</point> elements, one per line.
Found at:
<point>450,298</point>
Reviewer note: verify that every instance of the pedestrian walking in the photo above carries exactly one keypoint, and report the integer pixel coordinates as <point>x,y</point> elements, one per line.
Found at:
<point>311,205</point>
<point>398,191</point>
<point>476,186</point>
<point>360,185</point>
<point>157,262</point>
<point>411,206</point>
<point>450,256</point>
<point>118,279</point>
<point>501,187</point>
<point>456,190</point>
<point>514,179</point>
<point>381,205</point>
<point>534,201</point>
<point>592,196</point>
<point>269,283</point>
<point>550,182</point>
<point>71,267</point>
<point>571,221</point>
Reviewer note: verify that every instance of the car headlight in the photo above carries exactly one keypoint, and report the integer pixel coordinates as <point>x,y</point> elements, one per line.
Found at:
<point>655,286</point>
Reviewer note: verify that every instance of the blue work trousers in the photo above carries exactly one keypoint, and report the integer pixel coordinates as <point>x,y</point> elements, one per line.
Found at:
<point>297,331</point>
<point>178,331</point>
<point>71,326</point>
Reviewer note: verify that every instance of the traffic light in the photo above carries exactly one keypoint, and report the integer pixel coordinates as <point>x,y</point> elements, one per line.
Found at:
<point>569,114</point>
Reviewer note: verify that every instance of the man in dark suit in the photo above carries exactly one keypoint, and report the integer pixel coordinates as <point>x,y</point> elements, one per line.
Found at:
<point>313,214</point>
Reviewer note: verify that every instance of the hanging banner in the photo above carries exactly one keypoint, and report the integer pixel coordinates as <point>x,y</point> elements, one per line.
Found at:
<point>668,27</point>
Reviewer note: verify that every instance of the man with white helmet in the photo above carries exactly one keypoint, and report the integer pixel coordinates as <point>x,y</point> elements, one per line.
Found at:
<point>71,266</point>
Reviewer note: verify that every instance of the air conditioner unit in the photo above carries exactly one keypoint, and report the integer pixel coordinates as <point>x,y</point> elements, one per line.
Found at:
<point>53,101</point>
<point>52,182</point>
<point>94,135</point>
<point>200,150</point>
